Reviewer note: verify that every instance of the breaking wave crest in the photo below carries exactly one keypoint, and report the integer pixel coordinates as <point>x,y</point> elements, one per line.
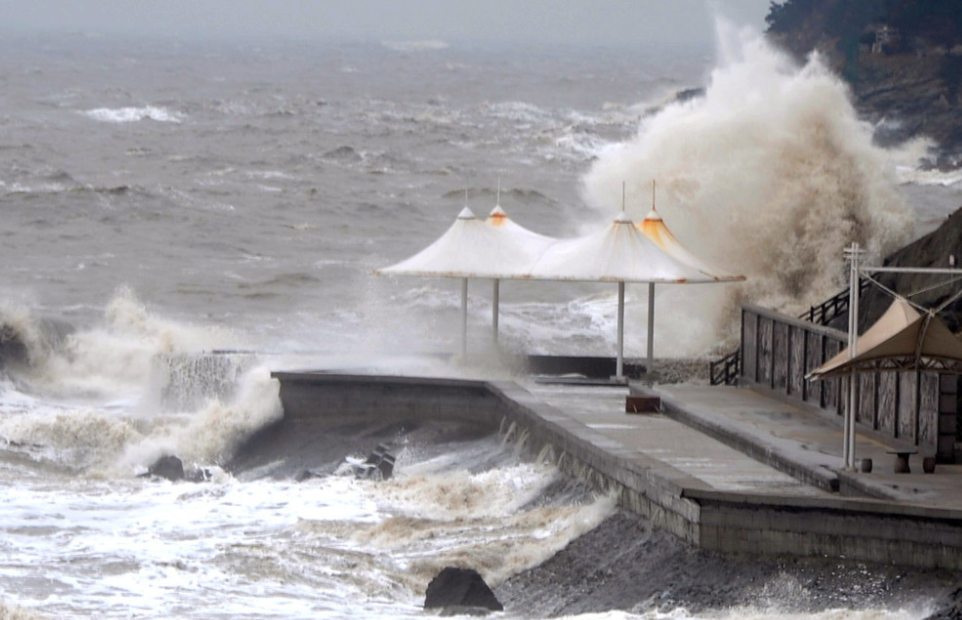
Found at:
<point>132,114</point>
<point>770,174</point>
<point>109,359</point>
<point>110,415</point>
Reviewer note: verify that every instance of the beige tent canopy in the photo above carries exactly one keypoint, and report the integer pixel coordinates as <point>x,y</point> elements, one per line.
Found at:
<point>902,339</point>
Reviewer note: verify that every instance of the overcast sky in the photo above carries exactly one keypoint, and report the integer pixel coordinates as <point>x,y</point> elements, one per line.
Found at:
<point>606,22</point>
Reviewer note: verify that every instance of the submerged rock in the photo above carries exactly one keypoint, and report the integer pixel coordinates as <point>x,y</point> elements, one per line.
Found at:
<point>460,590</point>
<point>379,465</point>
<point>169,467</point>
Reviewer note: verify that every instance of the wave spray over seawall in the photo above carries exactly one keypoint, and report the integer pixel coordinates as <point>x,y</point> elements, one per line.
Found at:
<point>770,174</point>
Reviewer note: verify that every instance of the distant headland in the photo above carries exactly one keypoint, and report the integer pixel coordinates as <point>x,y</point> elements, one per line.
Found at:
<point>902,59</point>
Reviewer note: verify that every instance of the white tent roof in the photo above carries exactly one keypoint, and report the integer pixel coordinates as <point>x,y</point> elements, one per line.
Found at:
<point>654,228</point>
<point>621,253</point>
<point>473,248</point>
<point>902,339</point>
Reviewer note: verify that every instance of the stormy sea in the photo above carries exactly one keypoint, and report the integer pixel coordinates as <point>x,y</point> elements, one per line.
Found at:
<point>178,219</point>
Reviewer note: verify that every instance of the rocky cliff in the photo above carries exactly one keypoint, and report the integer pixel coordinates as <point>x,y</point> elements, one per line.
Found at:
<point>942,248</point>
<point>902,59</point>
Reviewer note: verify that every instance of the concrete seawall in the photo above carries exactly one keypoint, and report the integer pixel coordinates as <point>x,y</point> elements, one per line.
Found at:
<point>731,522</point>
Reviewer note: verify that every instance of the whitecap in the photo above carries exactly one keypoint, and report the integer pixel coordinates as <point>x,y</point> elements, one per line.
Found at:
<point>132,114</point>
<point>415,46</point>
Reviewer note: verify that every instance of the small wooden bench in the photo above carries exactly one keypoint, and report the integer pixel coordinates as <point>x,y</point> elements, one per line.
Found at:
<point>902,459</point>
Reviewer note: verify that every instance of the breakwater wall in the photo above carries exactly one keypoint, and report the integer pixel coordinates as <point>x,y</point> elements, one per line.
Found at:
<point>749,523</point>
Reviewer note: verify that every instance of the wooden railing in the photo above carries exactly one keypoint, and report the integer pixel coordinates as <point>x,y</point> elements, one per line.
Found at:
<point>825,312</point>
<point>778,351</point>
<point>726,370</point>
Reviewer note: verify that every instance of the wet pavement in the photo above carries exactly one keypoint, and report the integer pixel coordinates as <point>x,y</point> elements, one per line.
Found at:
<point>736,439</point>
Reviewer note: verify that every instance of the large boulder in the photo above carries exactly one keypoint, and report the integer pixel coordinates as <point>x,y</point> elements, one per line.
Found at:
<point>462,589</point>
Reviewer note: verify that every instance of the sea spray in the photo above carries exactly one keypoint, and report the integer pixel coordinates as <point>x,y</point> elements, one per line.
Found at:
<point>114,357</point>
<point>770,174</point>
<point>211,435</point>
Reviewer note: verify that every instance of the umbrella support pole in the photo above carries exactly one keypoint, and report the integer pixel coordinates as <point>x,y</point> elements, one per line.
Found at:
<point>619,366</point>
<point>495,302</point>
<point>464,317</point>
<point>651,328</point>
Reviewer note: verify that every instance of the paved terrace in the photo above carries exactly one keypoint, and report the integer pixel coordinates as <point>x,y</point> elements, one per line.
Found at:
<point>807,443</point>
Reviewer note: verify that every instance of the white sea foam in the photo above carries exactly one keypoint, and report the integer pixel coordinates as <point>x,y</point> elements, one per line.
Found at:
<point>114,357</point>
<point>770,175</point>
<point>132,114</point>
<point>952,178</point>
<point>415,46</point>
<point>213,434</point>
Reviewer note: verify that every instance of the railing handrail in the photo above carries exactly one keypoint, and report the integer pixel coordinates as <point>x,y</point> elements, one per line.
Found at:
<point>838,304</point>
<point>730,368</point>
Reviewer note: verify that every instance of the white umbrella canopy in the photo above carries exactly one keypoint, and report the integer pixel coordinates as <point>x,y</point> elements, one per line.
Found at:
<point>473,248</point>
<point>618,253</point>
<point>498,248</point>
<point>654,228</point>
<point>531,242</point>
<point>622,253</point>
<point>902,339</point>
<point>470,248</point>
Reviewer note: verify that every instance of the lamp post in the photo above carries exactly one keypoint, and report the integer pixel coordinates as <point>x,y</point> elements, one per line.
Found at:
<point>853,254</point>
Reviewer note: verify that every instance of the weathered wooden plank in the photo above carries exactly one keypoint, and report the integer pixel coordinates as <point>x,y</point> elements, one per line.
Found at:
<point>796,370</point>
<point>908,394</point>
<point>780,356</point>
<point>765,354</point>
<point>830,388</point>
<point>928,431</point>
<point>888,401</point>
<point>749,345</point>
<point>867,401</point>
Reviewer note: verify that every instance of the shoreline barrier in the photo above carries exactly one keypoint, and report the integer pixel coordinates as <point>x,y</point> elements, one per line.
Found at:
<point>859,529</point>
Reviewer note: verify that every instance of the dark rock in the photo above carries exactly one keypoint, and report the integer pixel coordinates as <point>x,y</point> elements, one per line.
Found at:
<point>906,90</point>
<point>303,475</point>
<point>386,466</point>
<point>941,248</point>
<point>460,588</point>
<point>379,465</point>
<point>169,467</point>
<point>12,347</point>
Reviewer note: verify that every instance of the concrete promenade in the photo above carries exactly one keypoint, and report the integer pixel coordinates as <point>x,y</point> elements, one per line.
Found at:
<point>726,469</point>
<point>806,443</point>
<point>775,477</point>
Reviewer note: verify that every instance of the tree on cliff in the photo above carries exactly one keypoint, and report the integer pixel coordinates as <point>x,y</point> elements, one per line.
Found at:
<point>936,22</point>
<point>903,59</point>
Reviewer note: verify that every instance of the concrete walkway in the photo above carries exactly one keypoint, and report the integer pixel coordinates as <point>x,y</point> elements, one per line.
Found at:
<point>807,443</point>
<point>736,439</point>
<point>666,440</point>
